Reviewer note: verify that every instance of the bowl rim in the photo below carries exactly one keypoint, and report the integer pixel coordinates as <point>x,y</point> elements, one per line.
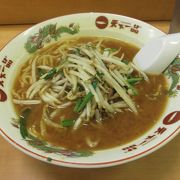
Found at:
<point>77,164</point>
<point>77,14</point>
<point>90,165</point>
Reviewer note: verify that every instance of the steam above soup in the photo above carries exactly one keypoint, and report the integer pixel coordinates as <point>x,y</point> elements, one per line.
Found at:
<point>85,93</point>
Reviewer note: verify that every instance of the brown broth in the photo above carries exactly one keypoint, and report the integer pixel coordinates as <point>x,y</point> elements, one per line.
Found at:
<point>122,127</point>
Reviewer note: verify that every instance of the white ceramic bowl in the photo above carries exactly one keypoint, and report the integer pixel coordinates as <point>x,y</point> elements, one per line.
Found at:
<point>87,24</point>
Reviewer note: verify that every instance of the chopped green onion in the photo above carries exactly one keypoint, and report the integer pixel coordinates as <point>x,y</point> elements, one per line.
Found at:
<point>23,121</point>
<point>50,74</point>
<point>81,103</point>
<point>100,74</point>
<point>135,92</point>
<point>94,83</point>
<point>41,72</point>
<point>67,122</point>
<point>85,100</point>
<point>61,72</point>
<point>125,61</point>
<point>134,80</point>
<point>49,159</point>
<point>78,102</point>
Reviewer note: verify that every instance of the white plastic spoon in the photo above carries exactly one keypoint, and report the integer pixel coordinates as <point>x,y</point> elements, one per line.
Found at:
<point>156,55</point>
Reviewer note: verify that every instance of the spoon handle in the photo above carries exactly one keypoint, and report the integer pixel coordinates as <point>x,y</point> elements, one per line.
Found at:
<point>155,56</point>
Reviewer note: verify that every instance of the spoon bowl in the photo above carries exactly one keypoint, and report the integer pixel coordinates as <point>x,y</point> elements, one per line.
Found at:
<point>156,55</point>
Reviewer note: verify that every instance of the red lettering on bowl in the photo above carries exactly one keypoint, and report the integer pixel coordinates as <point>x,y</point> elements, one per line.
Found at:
<point>101,22</point>
<point>3,96</point>
<point>160,130</point>
<point>114,23</point>
<point>130,148</point>
<point>172,118</point>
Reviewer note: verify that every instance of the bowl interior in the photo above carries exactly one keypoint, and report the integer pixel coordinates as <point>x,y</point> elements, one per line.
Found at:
<point>87,24</point>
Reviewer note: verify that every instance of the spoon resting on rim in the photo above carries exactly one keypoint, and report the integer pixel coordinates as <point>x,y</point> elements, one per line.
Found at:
<point>156,55</point>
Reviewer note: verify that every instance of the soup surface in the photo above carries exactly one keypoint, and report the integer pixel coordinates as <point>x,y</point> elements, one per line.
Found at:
<point>115,129</point>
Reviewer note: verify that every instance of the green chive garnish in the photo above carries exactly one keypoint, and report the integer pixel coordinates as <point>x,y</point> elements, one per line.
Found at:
<point>41,72</point>
<point>85,100</point>
<point>134,80</point>
<point>23,121</point>
<point>49,159</point>
<point>81,103</point>
<point>61,72</point>
<point>135,92</point>
<point>67,122</point>
<point>78,102</point>
<point>125,61</point>
<point>94,84</point>
<point>100,74</point>
<point>50,74</point>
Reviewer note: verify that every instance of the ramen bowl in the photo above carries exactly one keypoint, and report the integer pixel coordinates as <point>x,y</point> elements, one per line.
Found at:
<point>124,28</point>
